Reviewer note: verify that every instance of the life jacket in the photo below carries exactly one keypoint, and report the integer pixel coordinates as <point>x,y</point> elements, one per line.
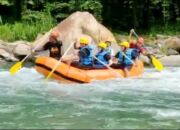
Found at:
<point>100,56</point>
<point>87,60</point>
<point>123,59</point>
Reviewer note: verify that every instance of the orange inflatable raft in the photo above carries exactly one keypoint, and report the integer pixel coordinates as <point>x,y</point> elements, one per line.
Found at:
<point>66,73</point>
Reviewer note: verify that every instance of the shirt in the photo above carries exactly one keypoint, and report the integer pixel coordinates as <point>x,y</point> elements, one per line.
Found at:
<point>54,49</point>
<point>140,49</point>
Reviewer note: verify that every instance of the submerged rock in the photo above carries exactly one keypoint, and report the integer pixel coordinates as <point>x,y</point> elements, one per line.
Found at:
<point>21,49</point>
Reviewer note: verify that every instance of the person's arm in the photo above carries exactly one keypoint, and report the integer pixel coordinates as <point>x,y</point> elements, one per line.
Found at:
<point>59,43</point>
<point>76,46</point>
<point>46,46</point>
<point>108,58</point>
<point>85,52</point>
<point>115,58</point>
<point>143,50</point>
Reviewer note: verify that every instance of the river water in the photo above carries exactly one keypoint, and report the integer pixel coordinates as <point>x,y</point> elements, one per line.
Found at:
<point>150,101</point>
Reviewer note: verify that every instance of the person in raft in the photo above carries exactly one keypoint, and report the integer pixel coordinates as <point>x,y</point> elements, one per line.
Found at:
<point>125,58</point>
<point>109,47</point>
<point>85,54</point>
<point>138,45</point>
<point>103,56</point>
<point>53,45</point>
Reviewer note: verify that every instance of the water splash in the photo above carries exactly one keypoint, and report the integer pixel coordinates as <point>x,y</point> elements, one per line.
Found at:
<point>150,101</point>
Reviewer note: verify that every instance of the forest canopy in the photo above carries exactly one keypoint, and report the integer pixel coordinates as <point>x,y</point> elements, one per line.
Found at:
<point>116,14</point>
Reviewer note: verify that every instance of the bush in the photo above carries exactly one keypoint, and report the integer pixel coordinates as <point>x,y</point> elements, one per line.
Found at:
<point>25,30</point>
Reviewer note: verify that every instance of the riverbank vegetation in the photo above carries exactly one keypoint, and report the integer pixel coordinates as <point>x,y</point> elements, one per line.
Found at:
<point>24,19</point>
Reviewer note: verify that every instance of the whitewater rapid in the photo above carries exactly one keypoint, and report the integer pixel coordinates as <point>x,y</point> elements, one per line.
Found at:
<point>149,101</point>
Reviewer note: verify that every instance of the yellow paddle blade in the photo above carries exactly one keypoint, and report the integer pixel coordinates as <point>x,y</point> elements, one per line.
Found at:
<point>15,68</point>
<point>49,75</point>
<point>157,64</point>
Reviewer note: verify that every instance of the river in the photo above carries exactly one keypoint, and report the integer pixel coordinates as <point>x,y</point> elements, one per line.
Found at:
<point>150,101</point>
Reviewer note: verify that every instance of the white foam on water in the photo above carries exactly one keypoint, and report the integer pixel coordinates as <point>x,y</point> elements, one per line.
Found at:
<point>149,94</point>
<point>8,109</point>
<point>163,113</point>
<point>167,78</point>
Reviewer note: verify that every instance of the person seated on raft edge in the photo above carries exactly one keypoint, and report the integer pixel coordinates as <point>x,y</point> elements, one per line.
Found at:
<point>53,45</point>
<point>103,55</point>
<point>125,57</point>
<point>85,54</point>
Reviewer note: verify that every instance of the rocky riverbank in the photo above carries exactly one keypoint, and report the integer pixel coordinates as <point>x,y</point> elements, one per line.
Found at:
<point>165,48</point>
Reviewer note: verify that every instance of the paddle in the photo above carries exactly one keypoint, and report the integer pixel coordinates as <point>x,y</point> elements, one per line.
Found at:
<point>130,34</point>
<point>157,64</point>
<point>55,67</point>
<point>117,74</point>
<point>17,66</point>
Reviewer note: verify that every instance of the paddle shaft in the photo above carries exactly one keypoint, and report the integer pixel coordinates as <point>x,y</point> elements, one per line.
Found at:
<point>128,58</point>
<point>49,75</point>
<point>108,67</point>
<point>135,34</point>
<point>130,35</point>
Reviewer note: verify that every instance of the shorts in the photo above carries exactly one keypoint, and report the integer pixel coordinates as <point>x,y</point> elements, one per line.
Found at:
<point>121,66</point>
<point>78,65</point>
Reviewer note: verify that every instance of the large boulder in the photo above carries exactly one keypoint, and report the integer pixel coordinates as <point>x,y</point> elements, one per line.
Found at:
<point>173,60</point>
<point>4,54</point>
<point>5,45</point>
<point>76,25</point>
<point>21,49</point>
<point>159,36</point>
<point>172,52</point>
<point>171,42</point>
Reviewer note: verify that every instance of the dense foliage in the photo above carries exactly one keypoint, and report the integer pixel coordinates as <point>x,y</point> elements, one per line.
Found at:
<point>41,15</point>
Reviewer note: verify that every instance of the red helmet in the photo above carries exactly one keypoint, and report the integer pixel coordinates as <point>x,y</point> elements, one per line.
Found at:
<point>54,34</point>
<point>141,40</point>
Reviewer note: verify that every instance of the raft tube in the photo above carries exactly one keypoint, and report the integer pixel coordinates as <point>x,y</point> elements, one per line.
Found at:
<point>66,73</point>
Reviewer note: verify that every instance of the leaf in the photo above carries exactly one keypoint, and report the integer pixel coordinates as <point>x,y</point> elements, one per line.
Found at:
<point>6,2</point>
